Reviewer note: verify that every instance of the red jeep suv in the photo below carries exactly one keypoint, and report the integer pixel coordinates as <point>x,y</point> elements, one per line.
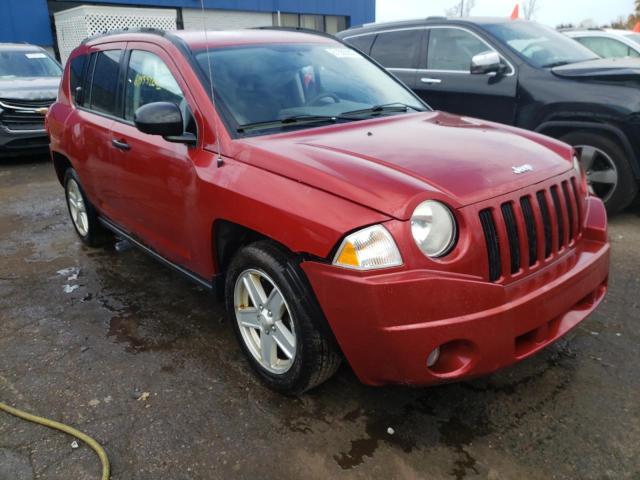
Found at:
<point>337,213</point>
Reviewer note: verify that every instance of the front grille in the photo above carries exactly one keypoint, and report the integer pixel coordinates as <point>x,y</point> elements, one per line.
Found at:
<point>17,116</point>
<point>535,226</point>
<point>27,103</point>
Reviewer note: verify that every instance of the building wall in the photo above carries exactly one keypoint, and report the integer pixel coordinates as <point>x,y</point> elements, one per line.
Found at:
<point>224,19</point>
<point>29,20</point>
<point>25,21</point>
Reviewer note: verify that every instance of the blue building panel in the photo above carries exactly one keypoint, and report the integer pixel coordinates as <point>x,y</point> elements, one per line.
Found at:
<point>25,21</point>
<point>28,20</point>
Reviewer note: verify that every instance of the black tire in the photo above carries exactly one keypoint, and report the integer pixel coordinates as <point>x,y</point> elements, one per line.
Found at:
<point>626,187</point>
<point>95,235</point>
<point>317,356</point>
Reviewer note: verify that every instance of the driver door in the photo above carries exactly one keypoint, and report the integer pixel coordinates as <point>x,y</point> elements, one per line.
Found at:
<point>158,177</point>
<point>444,80</point>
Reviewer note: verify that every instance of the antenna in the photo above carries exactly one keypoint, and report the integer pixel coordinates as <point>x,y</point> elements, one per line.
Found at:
<point>213,98</point>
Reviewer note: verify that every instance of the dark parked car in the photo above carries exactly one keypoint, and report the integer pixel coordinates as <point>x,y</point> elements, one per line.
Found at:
<point>29,79</point>
<point>335,211</point>
<point>524,74</point>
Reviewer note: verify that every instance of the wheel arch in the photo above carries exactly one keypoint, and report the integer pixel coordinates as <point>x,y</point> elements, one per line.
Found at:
<point>61,164</point>
<point>559,128</point>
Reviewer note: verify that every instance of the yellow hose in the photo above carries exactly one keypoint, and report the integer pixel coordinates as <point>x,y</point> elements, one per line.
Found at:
<point>63,428</point>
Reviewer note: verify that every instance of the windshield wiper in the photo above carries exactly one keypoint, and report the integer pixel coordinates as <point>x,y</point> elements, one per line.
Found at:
<point>293,121</point>
<point>559,63</point>
<point>378,109</point>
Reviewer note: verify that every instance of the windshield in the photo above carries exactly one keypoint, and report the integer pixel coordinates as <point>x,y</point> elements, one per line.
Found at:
<point>27,64</point>
<point>633,36</point>
<point>539,45</point>
<point>270,83</point>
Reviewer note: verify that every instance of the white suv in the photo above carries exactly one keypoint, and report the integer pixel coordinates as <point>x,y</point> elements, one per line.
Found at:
<point>609,43</point>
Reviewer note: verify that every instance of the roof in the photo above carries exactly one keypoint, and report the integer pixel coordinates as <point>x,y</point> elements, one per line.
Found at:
<point>219,38</point>
<point>428,21</point>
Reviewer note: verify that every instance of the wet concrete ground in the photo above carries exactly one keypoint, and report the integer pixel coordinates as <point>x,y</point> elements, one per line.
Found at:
<point>84,333</point>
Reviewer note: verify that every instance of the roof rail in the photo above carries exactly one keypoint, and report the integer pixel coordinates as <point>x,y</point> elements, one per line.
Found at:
<point>154,31</point>
<point>297,29</point>
<point>437,17</point>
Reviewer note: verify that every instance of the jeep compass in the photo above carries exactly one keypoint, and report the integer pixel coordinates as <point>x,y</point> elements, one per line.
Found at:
<point>336,213</point>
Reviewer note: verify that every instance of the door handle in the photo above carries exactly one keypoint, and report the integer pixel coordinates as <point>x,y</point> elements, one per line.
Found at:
<point>430,81</point>
<point>120,144</point>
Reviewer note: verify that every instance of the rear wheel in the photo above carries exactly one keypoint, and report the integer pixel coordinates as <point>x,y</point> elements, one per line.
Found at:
<point>83,214</point>
<point>607,167</point>
<point>277,321</point>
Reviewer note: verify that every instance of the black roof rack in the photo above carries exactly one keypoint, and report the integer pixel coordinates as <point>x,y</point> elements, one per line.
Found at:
<point>153,31</point>
<point>297,29</point>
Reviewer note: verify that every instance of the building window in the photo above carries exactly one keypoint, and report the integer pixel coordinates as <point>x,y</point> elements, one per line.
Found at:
<point>322,23</point>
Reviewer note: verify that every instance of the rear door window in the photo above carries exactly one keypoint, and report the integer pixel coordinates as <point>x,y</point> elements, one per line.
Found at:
<point>397,49</point>
<point>104,84</point>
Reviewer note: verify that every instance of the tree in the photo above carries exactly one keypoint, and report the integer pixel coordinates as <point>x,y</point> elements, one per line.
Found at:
<point>461,9</point>
<point>530,7</point>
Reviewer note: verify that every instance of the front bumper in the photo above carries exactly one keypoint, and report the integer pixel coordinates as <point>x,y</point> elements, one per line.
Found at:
<point>387,324</point>
<point>15,142</point>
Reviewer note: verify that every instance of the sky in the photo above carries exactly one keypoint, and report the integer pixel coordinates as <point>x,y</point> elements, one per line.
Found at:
<point>550,12</point>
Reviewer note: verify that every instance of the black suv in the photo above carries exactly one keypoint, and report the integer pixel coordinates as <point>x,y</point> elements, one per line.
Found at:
<point>524,74</point>
<point>29,80</point>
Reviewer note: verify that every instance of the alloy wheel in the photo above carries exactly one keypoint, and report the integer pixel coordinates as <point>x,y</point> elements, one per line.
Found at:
<point>77,207</point>
<point>265,321</point>
<point>602,174</point>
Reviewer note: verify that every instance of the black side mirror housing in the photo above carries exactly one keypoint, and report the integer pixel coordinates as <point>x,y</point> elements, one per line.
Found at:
<point>164,119</point>
<point>159,118</point>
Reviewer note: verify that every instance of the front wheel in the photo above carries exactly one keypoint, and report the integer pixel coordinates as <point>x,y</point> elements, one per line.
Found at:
<point>609,173</point>
<point>277,321</point>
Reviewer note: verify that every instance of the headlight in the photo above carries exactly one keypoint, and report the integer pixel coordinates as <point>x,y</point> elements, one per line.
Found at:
<point>434,228</point>
<point>581,175</point>
<point>368,249</point>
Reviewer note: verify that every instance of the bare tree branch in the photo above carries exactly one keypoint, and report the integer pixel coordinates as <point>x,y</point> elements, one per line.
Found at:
<point>530,7</point>
<point>461,9</point>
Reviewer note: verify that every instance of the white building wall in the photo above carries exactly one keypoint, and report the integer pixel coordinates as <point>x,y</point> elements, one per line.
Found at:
<point>224,19</point>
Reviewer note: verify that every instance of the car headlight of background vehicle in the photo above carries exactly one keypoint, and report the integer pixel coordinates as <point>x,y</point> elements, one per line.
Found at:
<point>434,228</point>
<point>368,249</point>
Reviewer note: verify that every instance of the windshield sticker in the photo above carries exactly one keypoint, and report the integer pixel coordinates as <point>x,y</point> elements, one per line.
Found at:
<point>343,52</point>
<point>35,55</point>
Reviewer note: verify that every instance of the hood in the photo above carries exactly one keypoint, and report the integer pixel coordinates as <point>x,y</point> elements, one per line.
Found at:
<point>391,164</point>
<point>605,69</point>
<point>29,88</point>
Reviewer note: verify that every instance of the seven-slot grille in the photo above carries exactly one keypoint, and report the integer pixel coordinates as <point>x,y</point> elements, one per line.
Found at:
<point>21,115</point>
<point>531,228</point>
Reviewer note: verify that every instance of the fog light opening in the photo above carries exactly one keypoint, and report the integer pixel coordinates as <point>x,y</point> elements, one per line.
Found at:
<point>433,357</point>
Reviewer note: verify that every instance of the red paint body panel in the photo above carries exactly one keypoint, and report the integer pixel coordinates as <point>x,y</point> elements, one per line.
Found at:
<point>308,188</point>
<point>387,324</point>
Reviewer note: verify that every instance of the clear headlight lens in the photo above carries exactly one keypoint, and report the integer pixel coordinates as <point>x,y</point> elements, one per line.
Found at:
<point>368,249</point>
<point>434,228</point>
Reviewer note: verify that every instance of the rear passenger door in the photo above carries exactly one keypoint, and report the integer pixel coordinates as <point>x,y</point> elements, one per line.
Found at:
<point>159,177</point>
<point>399,52</point>
<point>444,80</point>
<point>91,133</point>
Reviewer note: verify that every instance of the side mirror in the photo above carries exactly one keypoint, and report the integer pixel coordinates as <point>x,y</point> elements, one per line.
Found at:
<point>486,62</point>
<point>164,119</point>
